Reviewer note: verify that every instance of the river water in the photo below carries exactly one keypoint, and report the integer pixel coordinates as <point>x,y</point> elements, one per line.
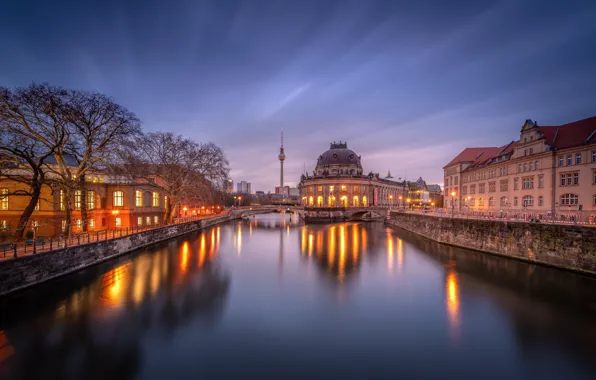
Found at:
<point>271,298</point>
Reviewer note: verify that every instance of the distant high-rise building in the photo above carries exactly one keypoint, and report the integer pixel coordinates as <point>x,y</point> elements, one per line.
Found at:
<point>243,187</point>
<point>228,186</point>
<point>282,190</point>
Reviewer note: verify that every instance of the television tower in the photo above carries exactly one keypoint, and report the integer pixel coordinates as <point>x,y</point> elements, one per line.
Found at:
<point>281,158</point>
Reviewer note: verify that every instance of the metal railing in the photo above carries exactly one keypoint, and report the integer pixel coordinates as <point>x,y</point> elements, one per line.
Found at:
<point>575,217</point>
<point>12,250</point>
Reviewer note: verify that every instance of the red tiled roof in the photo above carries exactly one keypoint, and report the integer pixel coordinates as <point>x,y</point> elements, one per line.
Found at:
<point>570,134</point>
<point>474,154</point>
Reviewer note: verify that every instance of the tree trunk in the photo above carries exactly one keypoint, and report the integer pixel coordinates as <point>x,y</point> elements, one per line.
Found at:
<point>68,209</point>
<point>167,213</point>
<point>24,219</point>
<point>84,214</point>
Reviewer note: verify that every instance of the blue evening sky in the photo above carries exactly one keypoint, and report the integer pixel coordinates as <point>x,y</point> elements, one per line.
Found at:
<point>407,83</point>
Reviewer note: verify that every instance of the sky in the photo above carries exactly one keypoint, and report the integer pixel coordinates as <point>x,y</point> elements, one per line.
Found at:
<point>408,84</point>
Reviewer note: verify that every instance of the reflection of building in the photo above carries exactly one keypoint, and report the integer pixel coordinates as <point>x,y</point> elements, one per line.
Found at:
<point>243,187</point>
<point>549,169</point>
<point>338,181</point>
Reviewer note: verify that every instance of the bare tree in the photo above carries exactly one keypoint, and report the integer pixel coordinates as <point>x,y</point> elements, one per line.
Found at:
<point>32,130</point>
<point>96,127</point>
<point>184,168</point>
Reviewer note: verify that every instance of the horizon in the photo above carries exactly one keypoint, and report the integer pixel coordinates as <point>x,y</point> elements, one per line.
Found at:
<point>407,86</point>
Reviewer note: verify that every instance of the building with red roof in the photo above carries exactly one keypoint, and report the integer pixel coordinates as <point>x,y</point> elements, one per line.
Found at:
<point>550,169</point>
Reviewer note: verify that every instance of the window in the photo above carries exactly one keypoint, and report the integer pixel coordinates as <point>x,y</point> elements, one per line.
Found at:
<point>91,200</point>
<point>569,200</point>
<point>319,188</point>
<point>594,179</point>
<point>118,222</point>
<point>79,224</point>
<point>480,201</point>
<point>64,226</point>
<point>531,166</point>
<point>446,181</point>
<point>344,188</point>
<point>578,158</point>
<point>355,187</point>
<point>118,199</point>
<point>540,181</point>
<point>525,150</point>
<point>472,201</point>
<point>569,159</point>
<point>491,202</point>
<point>503,201</point>
<point>528,183</point>
<point>148,220</point>
<point>561,161</point>
<point>92,223</point>
<point>61,200</point>
<point>519,168</point>
<point>464,189</point>
<point>526,167</point>
<point>515,201</point>
<point>331,188</point>
<point>531,151</point>
<point>528,201</point>
<point>77,201</point>
<point>472,189</point>
<point>156,198</point>
<point>481,188</point>
<point>155,219</point>
<point>492,187</point>
<point>537,165</point>
<point>456,180</point>
<point>593,202</point>
<point>594,156</point>
<point>569,179</point>
<point>515,183</point>
<point>140,221</point>
<point>504,185</point>
<point>139,198</point>
<point>540,200</point>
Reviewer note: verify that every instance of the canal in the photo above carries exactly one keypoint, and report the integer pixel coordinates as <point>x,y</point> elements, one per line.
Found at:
<point>271,298</point>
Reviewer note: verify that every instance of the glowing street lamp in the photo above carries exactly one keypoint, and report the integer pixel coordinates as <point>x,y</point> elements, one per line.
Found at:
<point>452,203</point>
<point>390,201</point>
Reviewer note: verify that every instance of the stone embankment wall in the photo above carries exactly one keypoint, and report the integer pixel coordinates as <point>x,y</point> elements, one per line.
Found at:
<point>26,271</point>
<point>564,246</point>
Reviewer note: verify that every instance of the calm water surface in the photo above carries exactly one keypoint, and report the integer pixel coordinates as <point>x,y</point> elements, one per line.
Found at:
<point>270,298</point>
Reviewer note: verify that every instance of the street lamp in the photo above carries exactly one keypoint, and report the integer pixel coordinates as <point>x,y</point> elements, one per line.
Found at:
<point>408,203</point>
<point>184,209</point>
<point>115,213</point>
<point>452,203</point>
<point>390,201</point>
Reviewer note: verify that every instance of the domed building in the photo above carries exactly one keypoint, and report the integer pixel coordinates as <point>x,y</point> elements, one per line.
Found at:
<point>338,180</point>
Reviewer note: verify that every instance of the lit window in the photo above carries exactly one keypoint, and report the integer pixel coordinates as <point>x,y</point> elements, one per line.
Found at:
<point>480,201</point>
<point>79,224</point>
<point>527,201</point>
<point>503,201</point>
<point>355,188</point>
<point>64,226</point>
<point>344,188</point>
<point>578,158</point>
<point>156,219</point>
<point>35,223</point>
<point>331,188</point>
<point>148,220</point>
<point>155,199</point>
<point>61,200</point>
<point>319,188</point>
<point>540,181</point>
<point>77,199</point>
<point>569,200</point>
<point>118,222</point>
<point>3,224</point>
<point>90,200</point>
<point>118,198</point>
<point>139,198</point>
<point>92,223</point>
<point>4,199</point>
<point>140,221</point>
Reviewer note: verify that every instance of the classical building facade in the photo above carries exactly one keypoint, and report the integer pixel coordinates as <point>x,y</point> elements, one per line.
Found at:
<point>550,169</point>
<point>338,181</point>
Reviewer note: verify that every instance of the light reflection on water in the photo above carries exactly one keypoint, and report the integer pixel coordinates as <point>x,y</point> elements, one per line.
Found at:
<point>246,293</point>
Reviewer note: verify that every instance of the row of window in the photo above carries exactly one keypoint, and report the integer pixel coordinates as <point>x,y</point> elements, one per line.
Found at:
<point>528,201</point>
<point>333,188</point>
<point>569,159</point>
<point>528,166</point>
<point>117,222</point>
<point>118,199</point>
<point>331,201</point>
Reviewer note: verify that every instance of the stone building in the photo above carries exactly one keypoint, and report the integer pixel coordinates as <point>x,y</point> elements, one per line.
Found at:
<point>338,180</point>
<point>550,169</point>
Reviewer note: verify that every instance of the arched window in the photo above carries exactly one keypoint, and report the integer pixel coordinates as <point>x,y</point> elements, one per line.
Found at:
<point>491,202</point>
<point>118,198</point>
<point>311,201</point>
<point>155,199</point>
<point>343,201</point>
<point>472,202</point>
<point>319,201</point>
<point>569,200</point>
<point>364,201</point>
<point>355,201</point>
<point>3,199</point>
<point>331,202</point>
<point>480,201</point>
<point>528,201</point>
<point>503,201</point>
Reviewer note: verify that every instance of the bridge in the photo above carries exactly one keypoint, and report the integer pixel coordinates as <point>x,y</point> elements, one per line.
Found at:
<point>317,214</point>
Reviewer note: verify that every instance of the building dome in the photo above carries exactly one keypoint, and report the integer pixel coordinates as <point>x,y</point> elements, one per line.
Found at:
<point>338,160</point>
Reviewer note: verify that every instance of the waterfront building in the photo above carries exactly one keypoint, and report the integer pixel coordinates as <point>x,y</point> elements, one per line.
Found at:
<point>548,170</point>
<point>338,180</point>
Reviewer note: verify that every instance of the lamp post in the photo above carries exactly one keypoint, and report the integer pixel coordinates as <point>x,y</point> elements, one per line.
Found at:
<point>184,209</point>
<point>390,201</point>
<point>399,203</point>
<point>408,203</point>
<point>452,203</point>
